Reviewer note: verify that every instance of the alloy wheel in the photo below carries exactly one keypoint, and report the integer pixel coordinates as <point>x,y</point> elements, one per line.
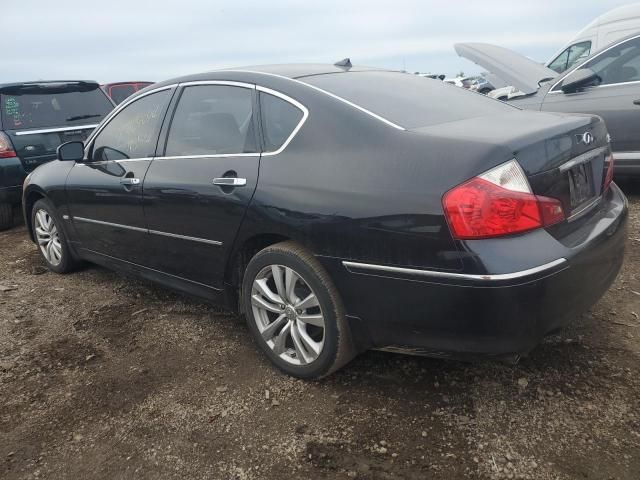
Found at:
<point>288,314</point>
<point>48,237</point>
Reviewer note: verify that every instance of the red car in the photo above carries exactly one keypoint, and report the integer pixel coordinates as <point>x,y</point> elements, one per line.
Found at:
<point>121,90</point>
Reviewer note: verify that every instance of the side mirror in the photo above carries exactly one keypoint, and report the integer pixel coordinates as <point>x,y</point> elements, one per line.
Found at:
<point>584,77</point>
<point>71,152</point>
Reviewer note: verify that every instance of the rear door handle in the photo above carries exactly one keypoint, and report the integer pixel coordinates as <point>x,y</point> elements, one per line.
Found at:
<point>230,181</point>
<point>129,181</point>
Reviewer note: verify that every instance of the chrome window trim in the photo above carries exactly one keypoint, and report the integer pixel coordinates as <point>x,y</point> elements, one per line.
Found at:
<point>332,95</point>
<point>103,162</point>
<point>295,103</point>
<point>213,155</point>
<point>453,276</point>
<point>56,129</point>
<point>146,230</point>
<point>230,83</point>
<point>589,60</point>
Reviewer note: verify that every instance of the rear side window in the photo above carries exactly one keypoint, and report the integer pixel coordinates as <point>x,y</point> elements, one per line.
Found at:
<point>279,120</point>
<point>212,120</point>
<point>133,132</point>
<point>407,100</point>
<point>37,106</point>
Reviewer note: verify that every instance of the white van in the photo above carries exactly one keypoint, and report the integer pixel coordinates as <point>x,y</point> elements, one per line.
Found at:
<point>604,30</point>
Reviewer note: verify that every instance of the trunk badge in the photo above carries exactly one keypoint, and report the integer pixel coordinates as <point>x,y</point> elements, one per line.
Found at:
<point>586,138</point>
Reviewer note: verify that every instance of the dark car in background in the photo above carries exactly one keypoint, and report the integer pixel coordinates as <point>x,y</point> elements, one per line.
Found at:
<point>119,91</point>
<point>342,209</point>
<point>36,117</point>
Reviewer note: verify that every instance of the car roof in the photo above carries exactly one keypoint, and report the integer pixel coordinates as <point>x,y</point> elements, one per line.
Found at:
<point>293,71</point>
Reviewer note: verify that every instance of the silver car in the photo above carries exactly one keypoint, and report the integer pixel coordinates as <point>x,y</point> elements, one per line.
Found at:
<point>606,84</point>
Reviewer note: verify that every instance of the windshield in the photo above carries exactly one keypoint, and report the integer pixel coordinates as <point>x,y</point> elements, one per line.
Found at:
<point>407,100</point>
<point>52,105</point>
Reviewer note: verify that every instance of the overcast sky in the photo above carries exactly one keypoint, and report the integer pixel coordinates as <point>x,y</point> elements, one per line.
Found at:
<point>113,40</point>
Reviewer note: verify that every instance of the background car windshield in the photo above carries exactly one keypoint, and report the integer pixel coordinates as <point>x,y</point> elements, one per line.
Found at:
<point>408,100</point>
<point>570,56</point>
<point>119,93</point>
<point>212,120</point>
<point>36,107</point>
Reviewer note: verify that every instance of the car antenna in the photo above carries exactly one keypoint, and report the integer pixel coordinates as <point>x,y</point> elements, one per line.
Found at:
<point>344,63</point>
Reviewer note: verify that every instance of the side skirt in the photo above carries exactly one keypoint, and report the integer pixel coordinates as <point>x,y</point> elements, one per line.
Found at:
<point>207,292</point>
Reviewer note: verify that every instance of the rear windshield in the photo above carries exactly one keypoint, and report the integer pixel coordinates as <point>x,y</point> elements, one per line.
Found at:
<point>35,106</point>
<point>408,100</point>
<point>121,92</point>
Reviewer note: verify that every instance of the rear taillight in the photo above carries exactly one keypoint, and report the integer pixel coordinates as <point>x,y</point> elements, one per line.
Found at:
<point>6,148</point>
<point>498,202</point>
<point>608,178</point>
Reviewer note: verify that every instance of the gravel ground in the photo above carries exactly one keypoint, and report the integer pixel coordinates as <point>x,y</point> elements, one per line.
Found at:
<point>102,376</point>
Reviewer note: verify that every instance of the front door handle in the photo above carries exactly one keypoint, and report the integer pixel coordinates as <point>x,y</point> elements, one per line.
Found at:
<point>130,181</point>
<point>230,181</point>
<point>636,102</point>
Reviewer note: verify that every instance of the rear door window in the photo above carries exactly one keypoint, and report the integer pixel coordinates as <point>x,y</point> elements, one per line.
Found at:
<point>52,105</point>
<point>279,120</point>
<point>212,120</point>
<point>133,132</point>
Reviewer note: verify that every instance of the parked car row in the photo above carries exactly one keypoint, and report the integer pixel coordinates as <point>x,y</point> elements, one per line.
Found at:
<point>343,208</point>
<point>36,117</point>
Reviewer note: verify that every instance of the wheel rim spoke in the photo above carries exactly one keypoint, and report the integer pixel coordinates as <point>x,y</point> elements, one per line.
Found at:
<point>281,340</point>
<point>264,289</point>
<point>260,302</point>
<point>309,343</point>
<point>314,319</point>
<point>309,302</point>
<point>270,331</point>
<point>291,278</point>
<point>276,271</point>
<point>301,353</point>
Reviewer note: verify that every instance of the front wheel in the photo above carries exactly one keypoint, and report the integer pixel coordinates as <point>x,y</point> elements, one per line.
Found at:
<point>50,237</point>
<point>294,312</point>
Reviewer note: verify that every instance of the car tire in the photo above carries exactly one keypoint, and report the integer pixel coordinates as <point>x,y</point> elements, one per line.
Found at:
<point>51,239</point>
<point>295,313</point>
<point>6,216</point>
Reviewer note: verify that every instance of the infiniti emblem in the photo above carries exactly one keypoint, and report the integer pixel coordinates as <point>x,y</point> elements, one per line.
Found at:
<point>586,138</point>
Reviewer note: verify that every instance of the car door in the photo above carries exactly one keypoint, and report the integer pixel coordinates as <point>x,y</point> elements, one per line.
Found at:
<point>197,192</point>
<point>105,191</point>
<point>615,96</point>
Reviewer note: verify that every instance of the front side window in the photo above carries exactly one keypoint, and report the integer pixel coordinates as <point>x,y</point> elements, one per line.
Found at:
<point>619,64</point>
<point>279,120</point>
<point>570,56</point>
<point>212,120</point>
<point>133,132</point>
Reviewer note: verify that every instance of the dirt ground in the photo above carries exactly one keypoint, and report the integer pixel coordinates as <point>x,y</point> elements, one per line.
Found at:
<point>105,377</point>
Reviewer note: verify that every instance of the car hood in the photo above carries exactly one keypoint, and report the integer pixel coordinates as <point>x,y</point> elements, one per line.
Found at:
<point>513,68</point>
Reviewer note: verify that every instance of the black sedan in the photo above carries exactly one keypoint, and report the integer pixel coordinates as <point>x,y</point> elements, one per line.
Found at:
<point>341,209</point>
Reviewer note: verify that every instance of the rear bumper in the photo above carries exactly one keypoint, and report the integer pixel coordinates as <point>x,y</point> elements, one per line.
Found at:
<point>626,164</point>
<point>505,313</point>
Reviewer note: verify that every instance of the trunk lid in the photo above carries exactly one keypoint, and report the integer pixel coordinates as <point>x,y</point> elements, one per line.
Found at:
<point>562,155</point>
<point>38,117</point>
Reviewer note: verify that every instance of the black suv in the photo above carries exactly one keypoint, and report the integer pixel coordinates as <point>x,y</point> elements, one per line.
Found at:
<point>36,117</point>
